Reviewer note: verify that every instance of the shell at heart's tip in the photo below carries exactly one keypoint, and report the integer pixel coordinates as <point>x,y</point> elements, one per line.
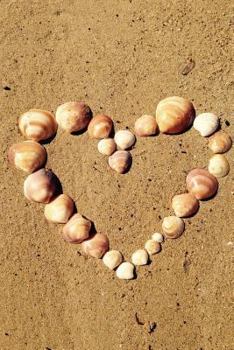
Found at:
<point>100,126</point>
<point>120,161</point>
<point>112,259</point>
<point>174,115</point>
<point>124,139</point>
<point>96,246</point>
<point>125,271</point>
<point>201,183</point>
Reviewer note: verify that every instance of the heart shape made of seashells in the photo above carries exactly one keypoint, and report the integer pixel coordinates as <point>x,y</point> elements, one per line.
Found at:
<point>173,115</point>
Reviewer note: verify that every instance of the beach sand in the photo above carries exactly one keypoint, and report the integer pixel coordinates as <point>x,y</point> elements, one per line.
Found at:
<point>121,57</point>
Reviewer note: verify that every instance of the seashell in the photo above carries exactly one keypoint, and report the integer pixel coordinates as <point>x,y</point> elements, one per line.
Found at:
<point>174,115</point>
<point>112,259</point>
<point>73,116</point>
<point>140,257</point>
<point>100,126</point>
<point>77,229</point>
<point>124,139</point>
<point>185,205</point>
<point>120,161</point>
<point>96,246</point>
<point>173,227</point>
<point>201,183</point>
<point>125,271</point>
<point>206,123</point>
<point>220,142</point>
<point>106,146</point>
<point>152,247</point>
<point>157,237</point>
<point>60,209</point>
<point>146,125</point>
<point>27,156</point>
<point>37,125</point>
<point>218,165</point>
<point>41,186</point>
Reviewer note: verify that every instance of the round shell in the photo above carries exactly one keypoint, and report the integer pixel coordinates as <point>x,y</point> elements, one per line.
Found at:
<point>201,183</point>
<point>120,161</point>
<point>37,125</point>
<point>174,115</point>
<point>173,227</point>
<point>220,142</point>
<point>124,139</point>
<point>112,259</point>
<point>73,116</point>
<point>77,229</point>
<point>146,125</point>
<point>100,127</point>
<point>96,246</point>
<point>218,165</point>
<point>185,205</point>
<point>158,237</point>
<point>152,247</point>
<point>60,209</point>
<point>27,156</point>
<point>125,271</point>
<point>140,257</point>
<point>206,123</point>
<point>106,147</point>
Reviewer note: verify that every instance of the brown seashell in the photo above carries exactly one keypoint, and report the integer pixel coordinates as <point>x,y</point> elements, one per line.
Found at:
<point>220,142</point>
<point>73,116</point>
<point>107,146</point>
<point>100,126</point>
<point>41,186</point>
<point>201,183</point>
<point>185,205</point>
<point>173,227</point>
<point>77,229</point>
<point>37,125</point>
<point>27,156</point>
<point>174,115</point>
<point>96,246</point>
<point>146,125</point>
<point>120,161</point>
<point>60,209</point>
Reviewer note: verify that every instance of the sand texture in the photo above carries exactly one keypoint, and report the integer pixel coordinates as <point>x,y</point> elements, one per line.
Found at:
<point>121,57</point>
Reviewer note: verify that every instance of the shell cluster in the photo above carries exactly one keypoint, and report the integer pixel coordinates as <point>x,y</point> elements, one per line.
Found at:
<point>173,115</point>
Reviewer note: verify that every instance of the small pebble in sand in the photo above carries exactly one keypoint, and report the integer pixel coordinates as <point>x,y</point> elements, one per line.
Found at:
<point>152,247</point>
<point>206,124</point>
<point>218,165</point>
<point>112,259</point>
<point>125,271</point>
<point>140,257</point>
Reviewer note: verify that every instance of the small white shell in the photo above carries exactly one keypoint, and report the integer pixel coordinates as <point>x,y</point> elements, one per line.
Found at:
<point>112,259</point>
<point>140,257</point>
<point>157,237</point>
<point>124,139</point>
<point>218,165</point>
<point>206,123</point>
<point>125,271</point>
<point>152,247</point>
<point>106,147</point>
<point>120,161</point>
<point>60,209</point>
<point>173,227</point>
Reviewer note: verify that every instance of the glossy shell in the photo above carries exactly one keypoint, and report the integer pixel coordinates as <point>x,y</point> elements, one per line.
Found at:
<point>220,142</point>
<point>107,147</point>
<point>218,165</point>
<point>201,183</point>
<point>125,271</point>
<point>77,229</point>
<point>120,161</point>
<point>185,205</point>
<point>96,246</point>
<point>112,259</point>
<point>174,115</point>
<point>206,123</point>
<point>124,139</point>
<point>60,209</point>
<point>100,126</point>
<point>146,125</point>
<point>140,257</point>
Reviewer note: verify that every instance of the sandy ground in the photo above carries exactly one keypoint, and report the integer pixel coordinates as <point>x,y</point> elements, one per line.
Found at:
<point>121,57</point>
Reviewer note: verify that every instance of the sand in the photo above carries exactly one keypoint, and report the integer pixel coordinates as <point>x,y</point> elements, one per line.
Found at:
<point>121,57</point>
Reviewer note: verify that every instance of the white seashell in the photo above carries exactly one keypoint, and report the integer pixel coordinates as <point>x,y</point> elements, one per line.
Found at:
<point>173,227</point>
<point>112,259</point>
<point>60,209</point>
<point>152,247</point>
<point>220,142</point>
<point>157,237</point>
<point>124,139</point>
<point>218,165</point>
<point>206,123</point>
<point>140,257</point>
<point>107,147</point>
<point>125,271</point>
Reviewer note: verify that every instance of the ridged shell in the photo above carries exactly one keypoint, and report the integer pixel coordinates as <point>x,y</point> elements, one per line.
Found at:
<point>107,146</point>
<point>37,125</point>
<point>96,246</point>
<point>185,205</point>
<point>218,165</point>
<point>206,123</point>
<point>77,229</point>
<point>60,209</point>
<point>27,156</point>
<point>100,126</point>
<point>120,161</point>
<point>140,257</point>
<point>173,227</point>
<point>174,115</point>
<point>201,183</point>
<point>41,186</point>
<point>73,116</point>
<point>220,142</point>
<point>112,259</point>
<point>125,271</point>
<point>124,139</point>
<point>146,125</point>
